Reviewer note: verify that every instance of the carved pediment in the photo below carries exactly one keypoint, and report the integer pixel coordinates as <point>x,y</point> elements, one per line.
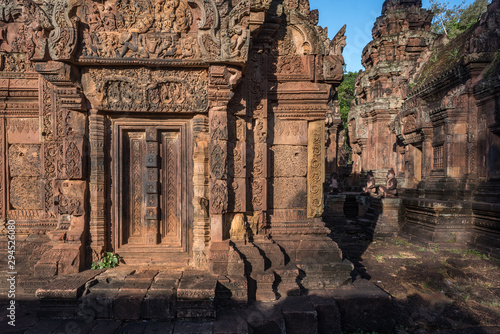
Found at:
<point>409,123</point>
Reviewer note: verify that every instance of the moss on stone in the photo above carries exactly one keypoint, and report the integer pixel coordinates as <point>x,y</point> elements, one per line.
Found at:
<point>444,58</point>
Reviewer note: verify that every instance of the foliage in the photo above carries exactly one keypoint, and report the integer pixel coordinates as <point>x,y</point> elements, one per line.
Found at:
<point>400,242</point>
<point>474,252</point>
<point>453,21</point>
<point>110,260</point>
<point>346,95</point>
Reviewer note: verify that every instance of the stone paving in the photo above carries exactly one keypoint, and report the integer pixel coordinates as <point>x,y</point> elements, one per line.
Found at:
<point>146,300</point>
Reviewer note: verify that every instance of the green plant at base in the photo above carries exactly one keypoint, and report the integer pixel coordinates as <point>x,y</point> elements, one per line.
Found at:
<point>474,252</point>
<point>110,260</point>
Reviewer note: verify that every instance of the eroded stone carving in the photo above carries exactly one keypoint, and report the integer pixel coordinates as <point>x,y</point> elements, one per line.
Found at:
<point>26,193</point>
<point>149,90</point>
<point>70,197</point>
<point>24,160</point>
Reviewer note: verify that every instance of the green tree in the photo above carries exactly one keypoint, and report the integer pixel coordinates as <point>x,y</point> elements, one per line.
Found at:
<point>346,95</point>
<point>454,20</point>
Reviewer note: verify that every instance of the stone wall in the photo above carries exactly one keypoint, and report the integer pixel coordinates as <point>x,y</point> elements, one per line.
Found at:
<point>168,134</point>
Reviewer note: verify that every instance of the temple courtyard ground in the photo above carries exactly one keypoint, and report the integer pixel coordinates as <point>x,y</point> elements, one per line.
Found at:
<point>434,289</point>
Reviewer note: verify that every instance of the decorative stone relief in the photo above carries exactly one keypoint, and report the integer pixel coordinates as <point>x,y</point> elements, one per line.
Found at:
<point>316,168</point>
<point>149,90</point>
<point>24,160</point>
<point>70,197</point>
<point>26,193</point>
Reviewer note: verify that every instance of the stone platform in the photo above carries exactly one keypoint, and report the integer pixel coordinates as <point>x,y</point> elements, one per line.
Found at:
<point>167,301</point>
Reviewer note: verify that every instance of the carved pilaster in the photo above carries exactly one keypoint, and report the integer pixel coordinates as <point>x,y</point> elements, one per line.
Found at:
<point>222,79</point>
<point>316,168</point>
<point>201,226</point>
<point>97,184</point>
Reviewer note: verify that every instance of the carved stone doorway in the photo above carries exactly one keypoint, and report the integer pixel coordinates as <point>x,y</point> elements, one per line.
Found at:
<point>149,195</point>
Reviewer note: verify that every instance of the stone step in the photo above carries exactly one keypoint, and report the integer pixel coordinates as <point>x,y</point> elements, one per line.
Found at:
<point>299,315</point>
<point>231,321</point>
<point>232,291</point>
<point>196,295</point>
<point>262,286</point>
<point>137,259</point>
<point>364,306</point>
<point>288,281</point>
<point>59,298</point>
<point>265,318</point>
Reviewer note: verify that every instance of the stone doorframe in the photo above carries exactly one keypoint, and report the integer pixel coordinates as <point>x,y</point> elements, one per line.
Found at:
<point>210,188</point>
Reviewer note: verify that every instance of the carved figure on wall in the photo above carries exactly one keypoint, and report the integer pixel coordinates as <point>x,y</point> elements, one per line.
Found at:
<point>238,229</point>
<point>391,187</point>
<point>143,29</point>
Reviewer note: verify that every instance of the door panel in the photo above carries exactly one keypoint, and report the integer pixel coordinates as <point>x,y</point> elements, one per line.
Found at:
<point>149,177</point>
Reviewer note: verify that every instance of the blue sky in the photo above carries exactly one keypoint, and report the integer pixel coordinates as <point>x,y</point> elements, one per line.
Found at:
<point>359,15</point>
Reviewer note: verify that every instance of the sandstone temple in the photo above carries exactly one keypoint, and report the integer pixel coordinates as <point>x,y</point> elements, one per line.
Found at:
<point>197,135</point>
<point>176,133</point>
<point>430,108</point>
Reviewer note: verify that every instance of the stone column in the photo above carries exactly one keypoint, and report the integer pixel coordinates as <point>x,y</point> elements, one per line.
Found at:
<point>222,79</point>
<point>218,171</point>
<point>3,203</point>
<point>97,184</point>
<point>201,223</point>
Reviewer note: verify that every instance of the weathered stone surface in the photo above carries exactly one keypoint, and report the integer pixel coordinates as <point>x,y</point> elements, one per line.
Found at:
<point>231,321</point>
<point>105,326</point>
<point>127,306</point>
<point>299,315</point>
<point>329,321</point>
<point>264,318</point>
<point>364,306</point>
<point>196,295</point>
<point>67,287</point>
<point>388,213</point>
<point>289,161</point>
<point>159,327</point>
<point>290,132</point>
<point>26,193</point>
<point>24,160</point>
<point>193,327</point>
<point>289,192</point>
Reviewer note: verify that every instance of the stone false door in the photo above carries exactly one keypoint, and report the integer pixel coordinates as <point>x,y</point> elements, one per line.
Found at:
<point>149,190</point>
